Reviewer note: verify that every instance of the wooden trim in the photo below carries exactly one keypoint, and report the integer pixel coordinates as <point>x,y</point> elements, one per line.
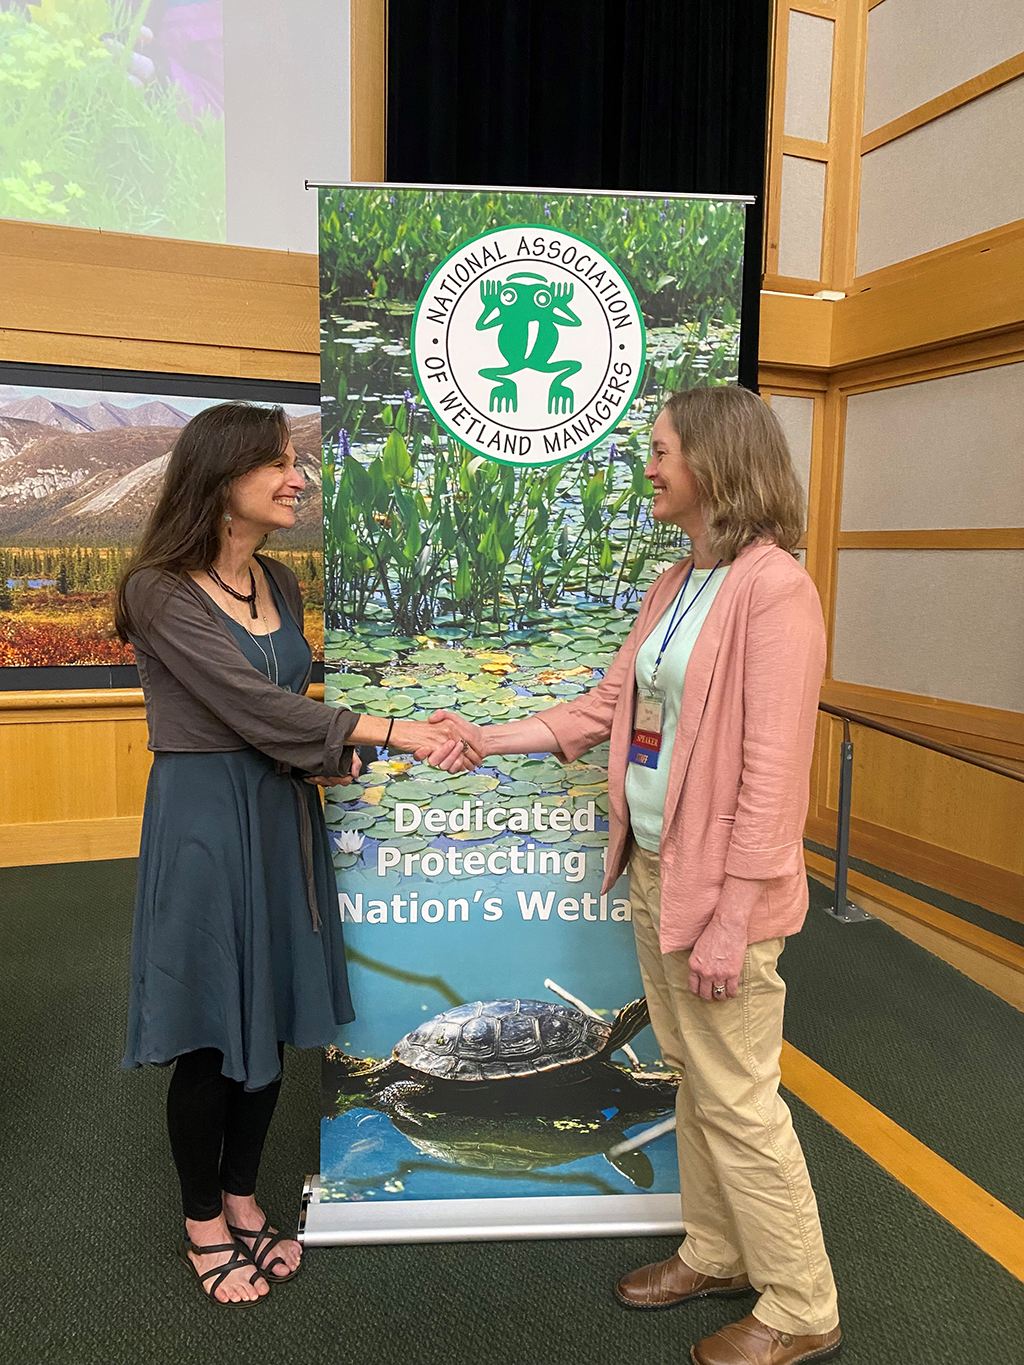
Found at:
<point>789,284</point>
<point>842,189</point>
<point>796,331</point>
<point>776,137</point>
<point>69,841</point>
<point>166,255</point>
<point>805,148</point>
<point>791,383</point>
<point>961,931</point>
<point>873,3</point>
<point>71,699</point>
<point>978,245</point>
<point>951,296</point>
<point>824,503</point>
<point>969,879</point>
<point>956,98</point>
<point>960,357</point>
<point>981,538</point>
<point>960,722</point>
<point>824,9</point>
<point>119,353</point>
<point>70,704</point>
<point>369,88</point>
<point>982,1219</point>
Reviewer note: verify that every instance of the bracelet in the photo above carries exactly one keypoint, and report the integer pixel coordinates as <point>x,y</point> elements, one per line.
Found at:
<point>387,737</point>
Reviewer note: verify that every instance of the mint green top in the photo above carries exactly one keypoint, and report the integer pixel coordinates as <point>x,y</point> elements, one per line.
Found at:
<point>646,788</point>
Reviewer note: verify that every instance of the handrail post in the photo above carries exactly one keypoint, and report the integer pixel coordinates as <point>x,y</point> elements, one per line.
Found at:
<point>843,909</point>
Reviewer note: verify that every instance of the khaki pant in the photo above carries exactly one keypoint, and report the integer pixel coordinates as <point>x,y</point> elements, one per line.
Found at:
<point>747,1198</point>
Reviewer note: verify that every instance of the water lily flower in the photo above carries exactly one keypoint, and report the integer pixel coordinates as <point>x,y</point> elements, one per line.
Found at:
<point>351,841</point>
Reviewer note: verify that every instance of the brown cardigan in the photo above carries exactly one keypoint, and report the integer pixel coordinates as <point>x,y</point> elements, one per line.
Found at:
<point>203,695</point>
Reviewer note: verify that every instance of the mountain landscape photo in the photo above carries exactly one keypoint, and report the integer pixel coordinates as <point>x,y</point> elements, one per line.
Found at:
<point>79,473</point>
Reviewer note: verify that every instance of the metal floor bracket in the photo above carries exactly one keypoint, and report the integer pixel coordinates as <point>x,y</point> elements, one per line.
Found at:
<point>848,914</point>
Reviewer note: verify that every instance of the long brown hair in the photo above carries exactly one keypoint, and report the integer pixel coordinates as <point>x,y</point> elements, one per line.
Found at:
<point>736,448</point>
<point>216,447</point>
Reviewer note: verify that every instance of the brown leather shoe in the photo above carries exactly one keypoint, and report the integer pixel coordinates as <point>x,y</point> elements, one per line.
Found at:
<point>751,1342</point>
<point>666,1283</point>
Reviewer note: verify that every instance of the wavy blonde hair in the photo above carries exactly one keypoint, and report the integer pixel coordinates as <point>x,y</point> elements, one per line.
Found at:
<point>735,446</point>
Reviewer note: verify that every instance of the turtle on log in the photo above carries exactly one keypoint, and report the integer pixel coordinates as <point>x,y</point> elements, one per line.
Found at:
<point>510,1056</point>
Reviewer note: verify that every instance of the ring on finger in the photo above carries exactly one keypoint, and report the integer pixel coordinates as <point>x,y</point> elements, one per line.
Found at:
<point>718,990</point>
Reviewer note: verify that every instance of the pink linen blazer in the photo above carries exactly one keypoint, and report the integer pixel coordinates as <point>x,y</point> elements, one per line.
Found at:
<point>738,778</point>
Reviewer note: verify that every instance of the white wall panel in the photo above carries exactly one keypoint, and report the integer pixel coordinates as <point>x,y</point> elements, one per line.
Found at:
<point>796,417</point>
<point>959,175</point>
<point>918,49</point>
<point>940,623</point>
<point>808,76</point>
<point>801,212</point>
<point>943,453</point>
<point>286,98</point>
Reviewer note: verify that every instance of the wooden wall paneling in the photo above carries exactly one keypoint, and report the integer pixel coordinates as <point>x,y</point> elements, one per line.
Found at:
<point>824,9</point>
<point>973,538</point>
<point>804,147</point>
<point>934,799</point>
<point>369,84</point>
<point>843,186</point>
<point>927,862</point>
<point>983,729</point>
<point>953,294</point>
<point>776,136</point>
<point>795,332</point>
<point>117,353</point>
<point>824,505</point>
<point>944,103</point>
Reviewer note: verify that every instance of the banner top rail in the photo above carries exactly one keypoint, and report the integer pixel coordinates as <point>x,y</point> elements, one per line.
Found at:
<point>525,189</point>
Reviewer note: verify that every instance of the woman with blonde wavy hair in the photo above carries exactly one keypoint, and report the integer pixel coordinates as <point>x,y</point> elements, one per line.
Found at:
<point>710,707</point>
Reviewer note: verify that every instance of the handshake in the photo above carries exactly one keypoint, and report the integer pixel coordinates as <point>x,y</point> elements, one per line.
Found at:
<point>447,741</point>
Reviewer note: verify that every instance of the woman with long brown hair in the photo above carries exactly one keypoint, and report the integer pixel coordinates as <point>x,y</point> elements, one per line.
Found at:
<point>710,706</point>
<point>237,945</point>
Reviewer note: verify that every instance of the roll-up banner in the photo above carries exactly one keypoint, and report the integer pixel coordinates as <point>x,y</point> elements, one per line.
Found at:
<point>492,361</point>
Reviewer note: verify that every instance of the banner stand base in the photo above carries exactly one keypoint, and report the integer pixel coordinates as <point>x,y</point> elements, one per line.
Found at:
<point>338,1223</point>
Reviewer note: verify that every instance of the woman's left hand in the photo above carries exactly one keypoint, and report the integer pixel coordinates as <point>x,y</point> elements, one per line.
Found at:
<point>354,771</point>
<point>716,959</point>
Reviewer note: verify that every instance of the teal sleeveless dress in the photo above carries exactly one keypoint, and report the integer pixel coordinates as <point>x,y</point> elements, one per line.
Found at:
<point>224,950</point>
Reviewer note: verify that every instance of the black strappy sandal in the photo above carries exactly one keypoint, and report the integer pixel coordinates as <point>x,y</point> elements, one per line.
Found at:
<point>239,1258</point>
<point>264,1244</point>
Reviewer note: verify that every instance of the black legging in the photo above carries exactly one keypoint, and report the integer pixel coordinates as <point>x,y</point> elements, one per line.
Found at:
<point>217,1129</point>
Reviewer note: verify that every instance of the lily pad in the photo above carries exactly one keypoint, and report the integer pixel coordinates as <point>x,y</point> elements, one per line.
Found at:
<point>458,663</point>
<point>520,789</point>
<point>592,838</point>
<point>409,843</point>
<point>551,836</point>
<point>343,861</point>
<point>357,819</point>
<point>473,784</point>
<point>344,681</point>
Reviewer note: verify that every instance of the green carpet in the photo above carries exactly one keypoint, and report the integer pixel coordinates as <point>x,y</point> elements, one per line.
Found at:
<point>90,1208</point>
<point>938,1053</point>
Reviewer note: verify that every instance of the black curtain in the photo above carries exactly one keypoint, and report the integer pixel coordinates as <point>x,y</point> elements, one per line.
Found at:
<point>586,94</point>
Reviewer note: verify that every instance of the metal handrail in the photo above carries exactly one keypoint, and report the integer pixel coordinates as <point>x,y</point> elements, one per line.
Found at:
<point>844,909</point>
<point>950,750</point>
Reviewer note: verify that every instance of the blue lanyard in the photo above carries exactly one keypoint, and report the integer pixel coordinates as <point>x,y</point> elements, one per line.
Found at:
<point>673,624</point>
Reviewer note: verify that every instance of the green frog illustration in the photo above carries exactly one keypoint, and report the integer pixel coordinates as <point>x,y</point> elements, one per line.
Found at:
<point>528,311</point>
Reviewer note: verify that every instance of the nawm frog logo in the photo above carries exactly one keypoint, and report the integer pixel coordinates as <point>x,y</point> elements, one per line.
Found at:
<point>528,345</point>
